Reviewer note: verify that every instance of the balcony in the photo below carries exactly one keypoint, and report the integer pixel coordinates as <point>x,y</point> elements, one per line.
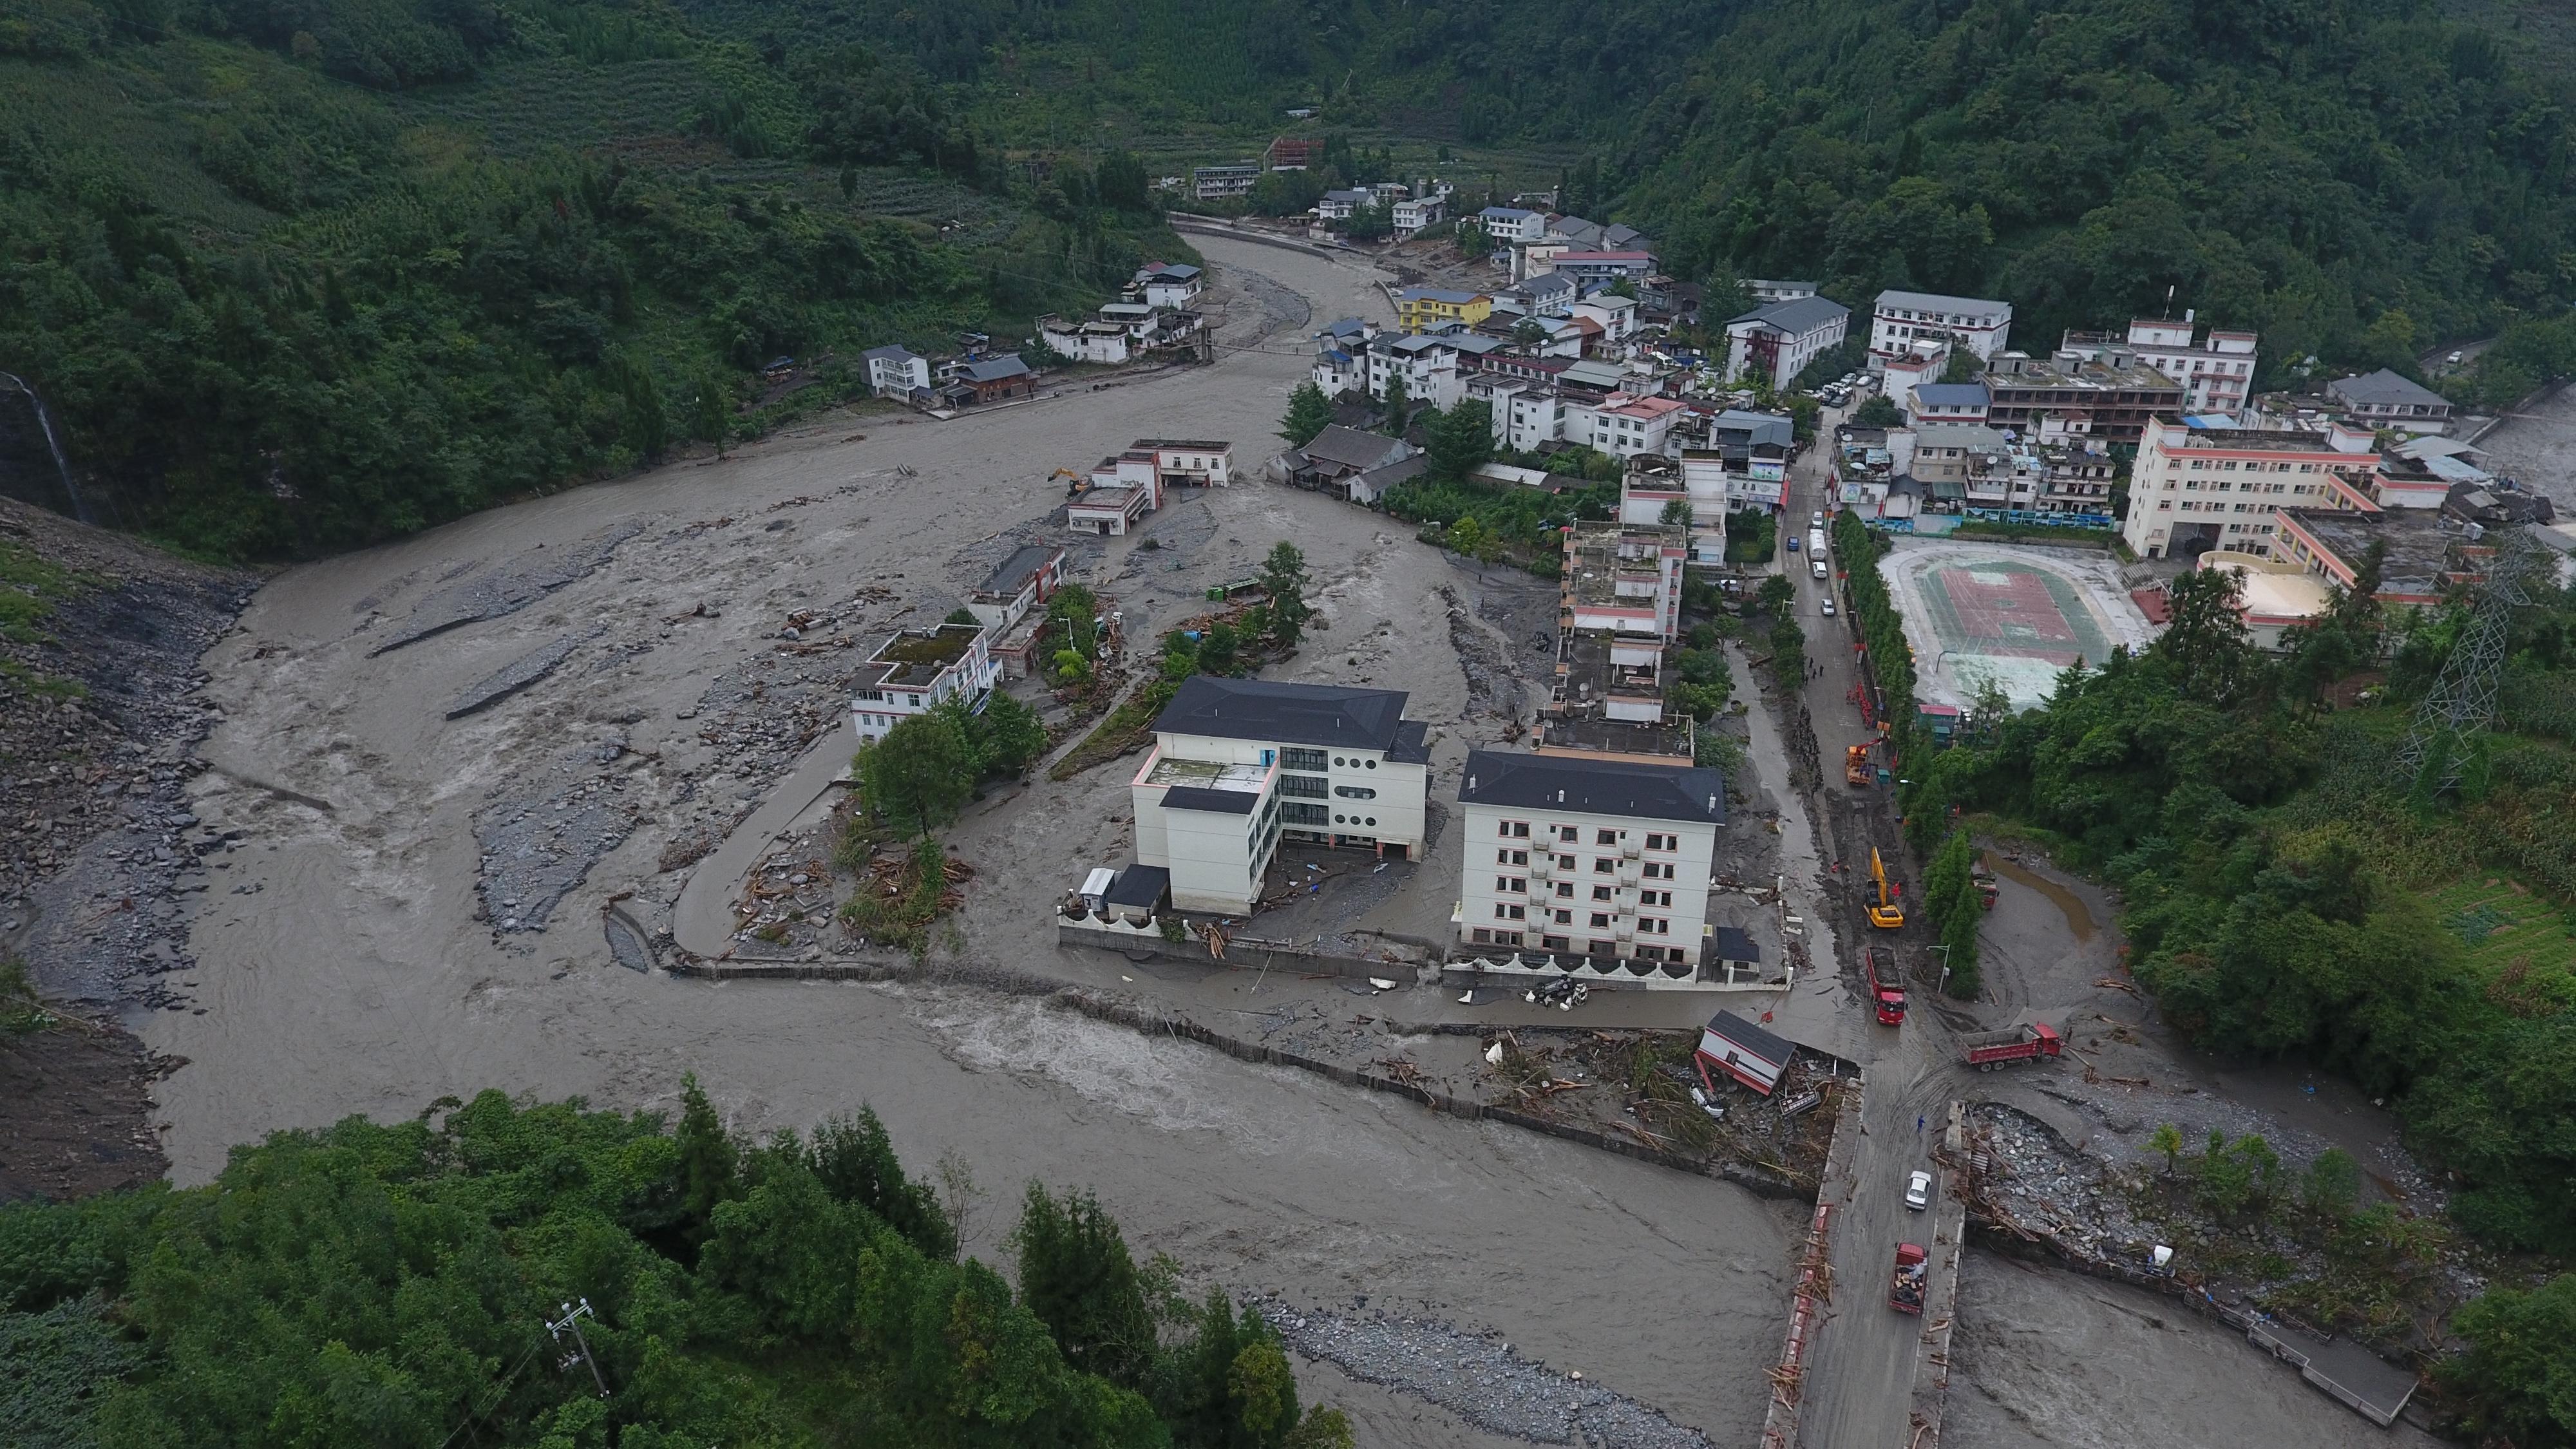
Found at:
<point>1630,849</point>
<point>1628,873</point>
<point>1543,868</point>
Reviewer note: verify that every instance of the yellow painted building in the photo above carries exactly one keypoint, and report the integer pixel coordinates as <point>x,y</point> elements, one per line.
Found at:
<point>1419,309</point>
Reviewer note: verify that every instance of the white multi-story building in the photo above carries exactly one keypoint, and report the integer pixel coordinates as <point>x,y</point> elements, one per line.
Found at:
<point>1623,579</point>
<point>1215,183</point>
<point>2196,489</point>
<point>1624,427</point>
<point>1506,225</point>
<point>1591,857</point>
<point>1615,315</point>
<point>1168,284</point>
<point>1778,339</point>
<point>1982,326</point>
<point>1238,764</point>
<point>1428,365</point>
<point>1409,217</point>
<point>896,372</point>
<point>916,670</point>
<point>2216,371</point>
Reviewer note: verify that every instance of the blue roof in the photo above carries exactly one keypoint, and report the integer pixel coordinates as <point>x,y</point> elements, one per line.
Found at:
<point>1336,355</point>
<point>1344,327</point>
<point>2209,420</point>
<point>1952,394</point>
<point>1504,213</point>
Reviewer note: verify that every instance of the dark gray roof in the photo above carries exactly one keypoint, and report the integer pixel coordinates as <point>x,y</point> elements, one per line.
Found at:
<point>1751,1038</point>
<point>1023,565</point>
<point>1936,302</point>
<point>995,369</point>
<point>1352,448</point>
<point>1138,885</point>
<point>1398,471</point>
<point>1412,743</point>
<point>2383,387</point>
<point>890,350</point>
<point>1951,394</point>
<point>1596,787</point>
<point>1214,802</point>
<point>1797,316</point>
<point>1289,714</point>
<point>1734,943</point>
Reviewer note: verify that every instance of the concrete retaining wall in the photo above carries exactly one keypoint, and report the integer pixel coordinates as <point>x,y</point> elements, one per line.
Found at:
<point>1247,953</point>
<point>1145,1018</point>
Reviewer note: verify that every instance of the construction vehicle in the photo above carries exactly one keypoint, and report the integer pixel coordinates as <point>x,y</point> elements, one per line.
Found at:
<point>1074,483</point>
<point>1884,912</point>
<point>1886,992</point>
<point>1993,1050</point>
<point>1857,770</point>
<point>1905,1285</point>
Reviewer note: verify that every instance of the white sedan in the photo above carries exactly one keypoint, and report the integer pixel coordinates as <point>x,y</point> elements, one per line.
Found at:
<point>1918,1191</point>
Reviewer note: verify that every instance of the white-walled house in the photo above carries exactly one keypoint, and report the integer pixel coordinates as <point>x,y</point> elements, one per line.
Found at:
<point>1981,325</point>
<point>1778,339</point>
<point>1603,859</point>
<point>1506,225</point>
<point>1427,363</point>
<point>1239,763</point>
<point>1410,217</point>
<point>1169,284</point>
<point>916,670</point>
<point>1026,579</point>
<point>896,372</point>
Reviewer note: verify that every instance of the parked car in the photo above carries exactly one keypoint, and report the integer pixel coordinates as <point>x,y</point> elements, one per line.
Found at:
<point>1918,1191</point>
<point>1829,608</point>
<point>1816,519</point>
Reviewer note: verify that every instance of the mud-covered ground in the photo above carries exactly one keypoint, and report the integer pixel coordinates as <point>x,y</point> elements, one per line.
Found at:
<point>587,747</point>
<point>99,852</point>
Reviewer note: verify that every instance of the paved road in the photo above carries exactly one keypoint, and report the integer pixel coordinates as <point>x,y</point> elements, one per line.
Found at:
<point>1860,1372</point>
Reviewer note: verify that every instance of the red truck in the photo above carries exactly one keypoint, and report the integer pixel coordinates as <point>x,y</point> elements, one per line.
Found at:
<point>1886,990</point>
<point>1988,1050</point>
<point>1905,1287</point>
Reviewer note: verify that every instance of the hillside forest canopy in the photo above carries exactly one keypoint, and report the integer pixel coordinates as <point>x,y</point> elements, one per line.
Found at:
<point>296,277</point>
<point>406,1285</point>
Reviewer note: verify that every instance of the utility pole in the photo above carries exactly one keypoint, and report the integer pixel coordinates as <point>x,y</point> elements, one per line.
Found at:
<point>571,1321</point>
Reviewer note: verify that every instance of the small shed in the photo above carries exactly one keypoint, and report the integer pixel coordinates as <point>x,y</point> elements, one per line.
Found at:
<point>1741,1050</point>
<point>1138,894</point>
<point>1734,957</point>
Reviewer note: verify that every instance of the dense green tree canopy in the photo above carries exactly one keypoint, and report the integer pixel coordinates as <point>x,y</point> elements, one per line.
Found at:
<point>391,1285</point>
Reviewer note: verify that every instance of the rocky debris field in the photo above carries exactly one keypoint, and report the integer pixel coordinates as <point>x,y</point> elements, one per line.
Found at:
<point>497,592</point>
<point>99,640</point>
<point>541,834</point>
<point>1478,1378</point>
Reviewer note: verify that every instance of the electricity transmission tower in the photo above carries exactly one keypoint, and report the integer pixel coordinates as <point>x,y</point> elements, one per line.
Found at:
<point>2462,702</point>
<point>571,1322</point>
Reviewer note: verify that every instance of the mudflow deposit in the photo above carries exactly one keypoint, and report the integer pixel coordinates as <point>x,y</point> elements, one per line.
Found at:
<point>433,767</point>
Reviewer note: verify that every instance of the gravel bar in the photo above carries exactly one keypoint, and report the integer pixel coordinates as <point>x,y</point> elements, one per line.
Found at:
<point>1480,1379</point>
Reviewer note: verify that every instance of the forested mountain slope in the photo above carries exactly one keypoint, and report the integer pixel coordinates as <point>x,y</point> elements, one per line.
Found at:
<point>295,276</point>
<point>2357,178</point>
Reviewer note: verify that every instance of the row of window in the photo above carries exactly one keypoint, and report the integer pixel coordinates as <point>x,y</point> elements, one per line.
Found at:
<point>1569,834</point>
<point>1601,865</point>
<point>1600,920</point>
<point>1487,936</point>
<point>1513,885</point>
<point>2229,465</point>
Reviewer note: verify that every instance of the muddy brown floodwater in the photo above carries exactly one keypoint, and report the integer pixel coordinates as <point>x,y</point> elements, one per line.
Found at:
<point>349,965</point>
<point>414,906</point>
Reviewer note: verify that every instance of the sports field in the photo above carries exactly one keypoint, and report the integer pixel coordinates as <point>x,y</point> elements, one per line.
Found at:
<point>2016,617</point>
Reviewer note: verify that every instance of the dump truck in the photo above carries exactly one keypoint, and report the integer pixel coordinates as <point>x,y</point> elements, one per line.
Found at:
<point>1857,769</point>
<point>1884,912</point>
<point>1905,1285</point>
<point>1886,991</point>
<point>1989,1050</point>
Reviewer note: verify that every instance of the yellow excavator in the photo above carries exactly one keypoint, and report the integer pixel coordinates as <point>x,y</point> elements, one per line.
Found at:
<point>1884,913</point>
